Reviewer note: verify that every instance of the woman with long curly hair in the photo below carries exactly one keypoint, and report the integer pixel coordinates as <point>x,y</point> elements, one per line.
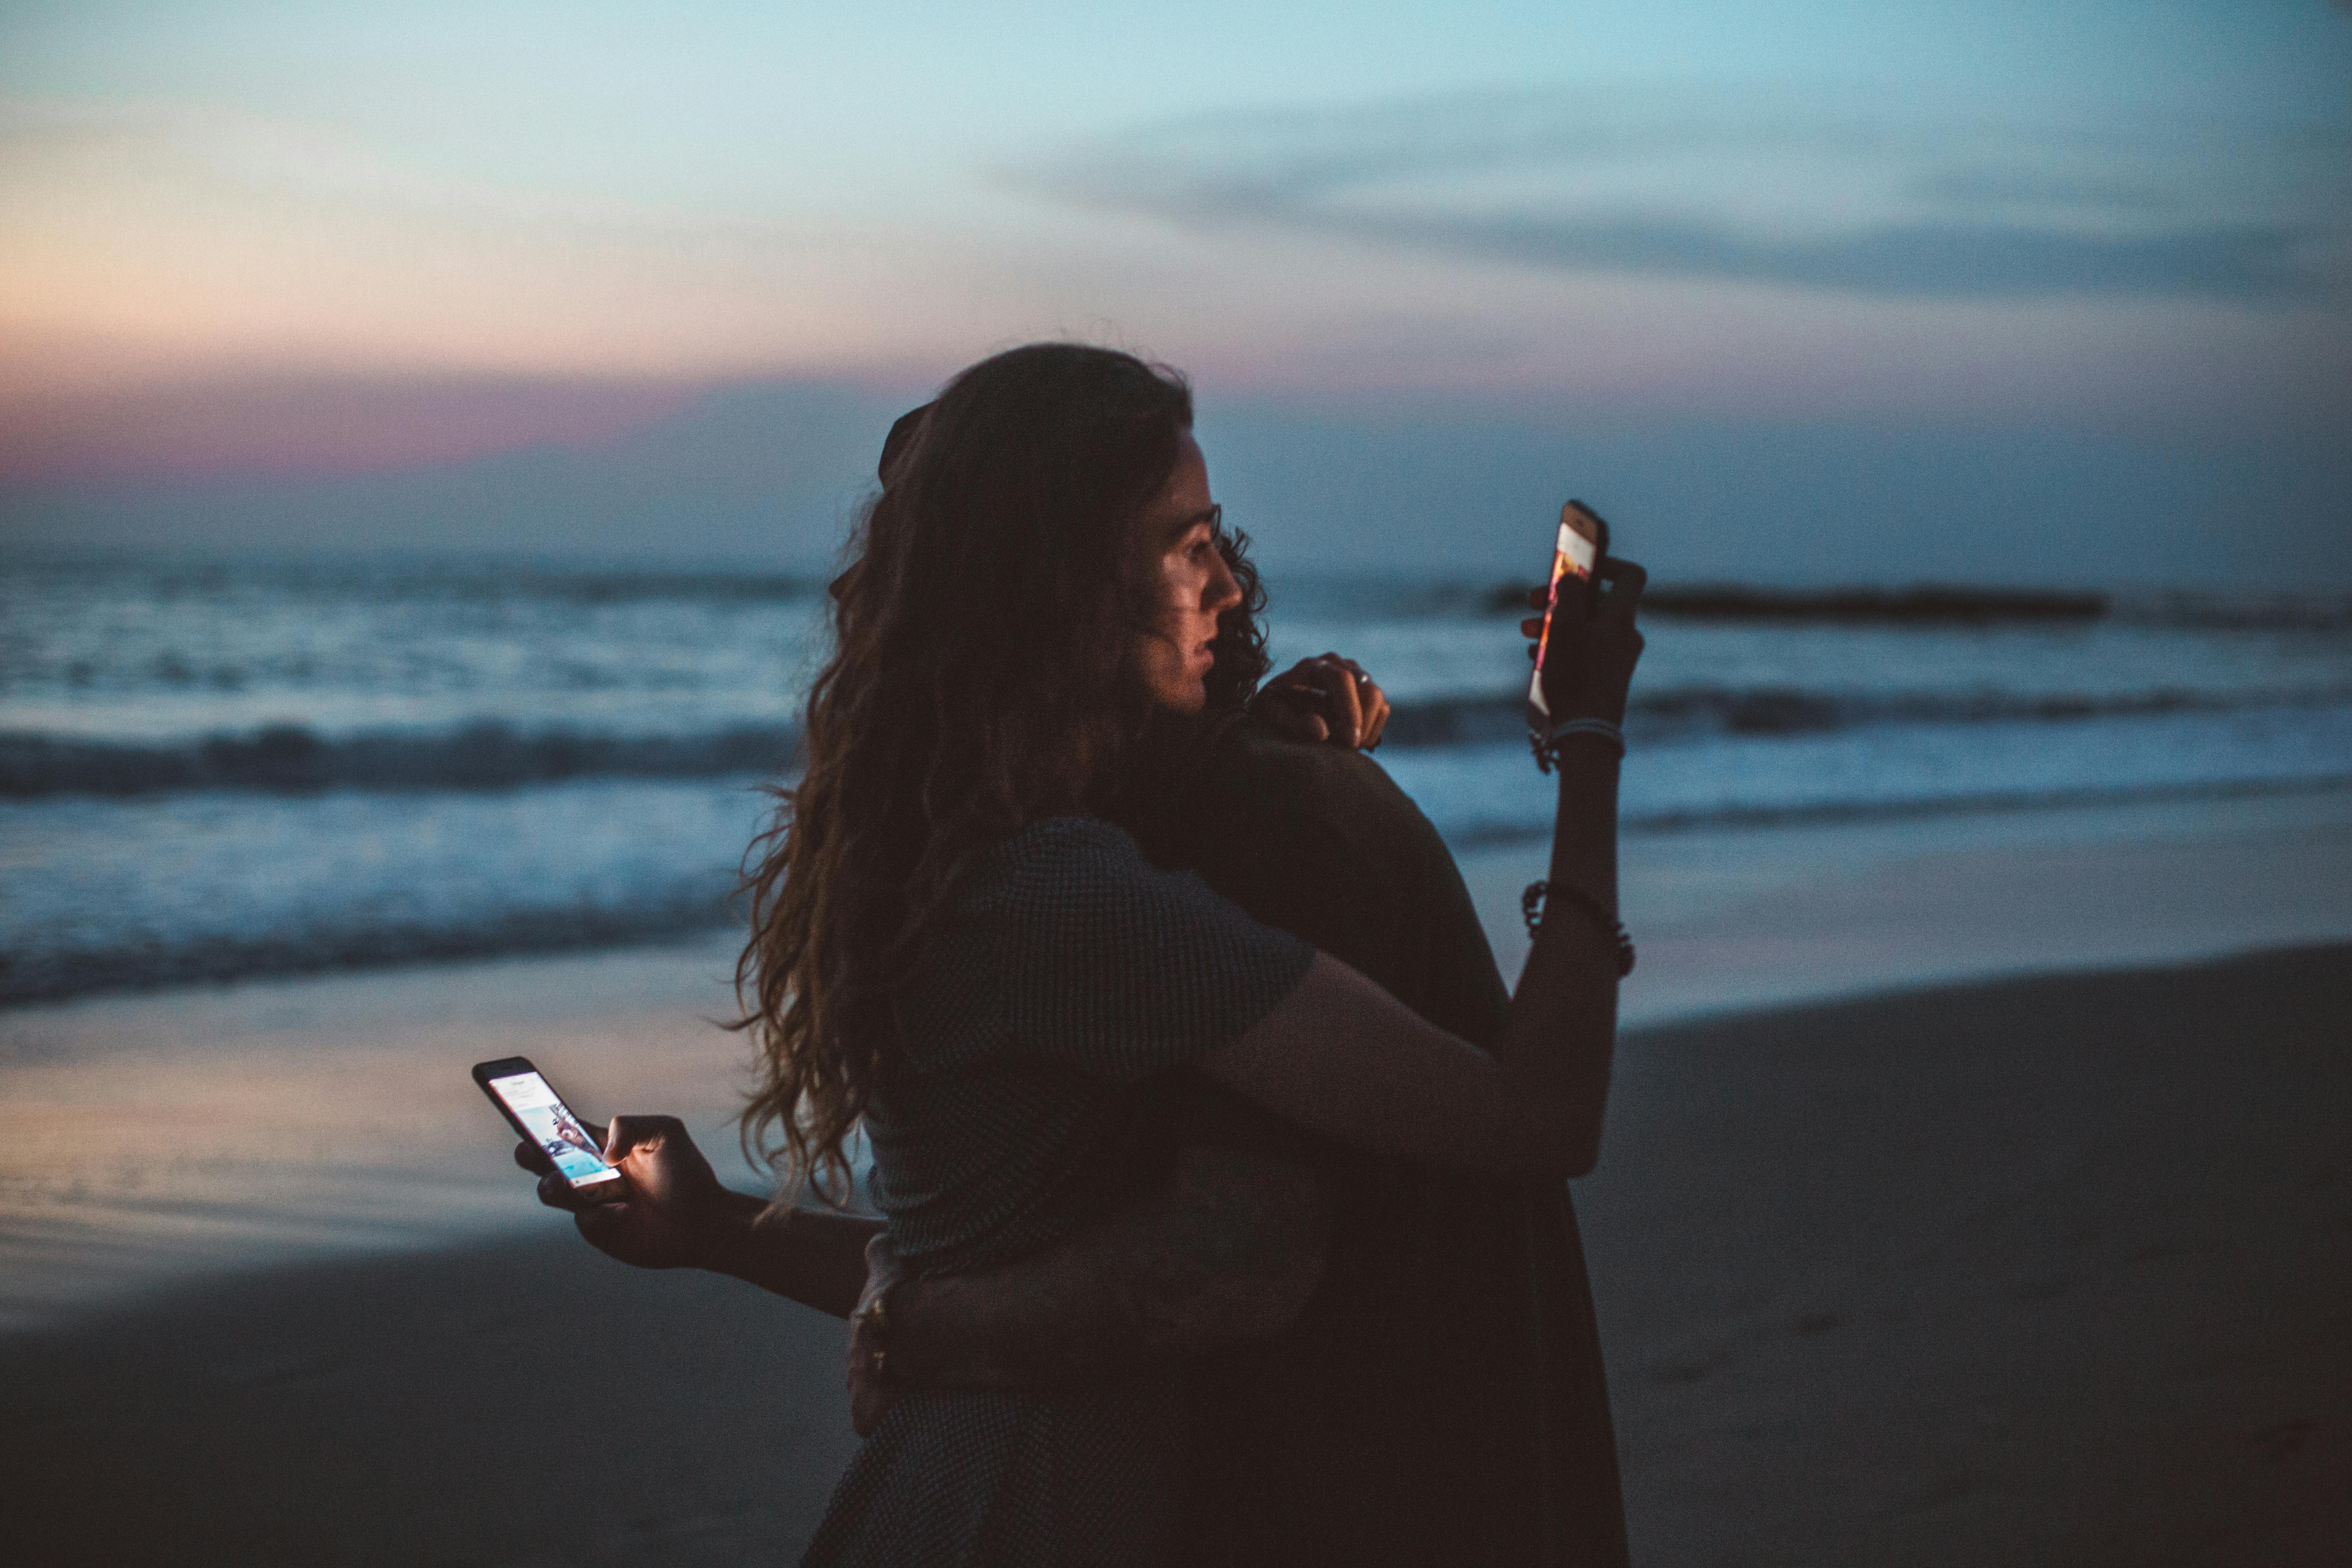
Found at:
<point>955,949</point>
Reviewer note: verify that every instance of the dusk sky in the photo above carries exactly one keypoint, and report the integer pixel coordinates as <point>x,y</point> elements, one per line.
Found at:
<point>1807,291</point>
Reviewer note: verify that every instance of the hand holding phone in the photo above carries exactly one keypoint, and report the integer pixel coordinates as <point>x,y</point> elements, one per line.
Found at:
<point>1577,551</point>
<point>662,1205</point>
<point>538,1114</point>
<point>1584,643</point>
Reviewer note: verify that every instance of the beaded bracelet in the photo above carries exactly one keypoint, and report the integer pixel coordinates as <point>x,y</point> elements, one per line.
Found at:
<point>1546,748</point>
<point>1533,902</point>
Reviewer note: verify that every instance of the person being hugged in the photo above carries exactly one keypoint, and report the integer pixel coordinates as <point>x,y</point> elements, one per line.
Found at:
<point>956,948</point>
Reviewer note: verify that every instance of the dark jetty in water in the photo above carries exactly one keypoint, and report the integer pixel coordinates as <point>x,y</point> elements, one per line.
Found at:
<point>1921,604</point>
<point>1918,606</point>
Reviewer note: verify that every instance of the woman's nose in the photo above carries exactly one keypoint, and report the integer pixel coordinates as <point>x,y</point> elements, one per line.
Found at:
<point>1223,593</point>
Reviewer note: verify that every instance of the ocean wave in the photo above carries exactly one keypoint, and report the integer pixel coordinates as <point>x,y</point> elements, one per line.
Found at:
<point>1917,808</point>
<point>1680,712</point>
<point>266,940</point>
<point>292,759</point>
<point>164,889</point>
<point>57,974</point>
<point>289,759</point>
<point>161,890</point>
<point>1475,793</point>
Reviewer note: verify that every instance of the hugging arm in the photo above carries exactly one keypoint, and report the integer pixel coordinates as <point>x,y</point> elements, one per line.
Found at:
<point>1341,1057</point>
<point>1324,700</point>
<point>1228,1248</point>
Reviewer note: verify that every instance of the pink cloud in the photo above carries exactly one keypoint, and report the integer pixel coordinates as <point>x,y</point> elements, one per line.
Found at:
<point>314,424</point>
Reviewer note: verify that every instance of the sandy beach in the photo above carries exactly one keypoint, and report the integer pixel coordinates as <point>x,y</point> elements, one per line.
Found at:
<point>2048,1270</point>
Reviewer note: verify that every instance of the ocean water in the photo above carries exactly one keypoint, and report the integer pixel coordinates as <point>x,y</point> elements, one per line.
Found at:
<point>274,766</point>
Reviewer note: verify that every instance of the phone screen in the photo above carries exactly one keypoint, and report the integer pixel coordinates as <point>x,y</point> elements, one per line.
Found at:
<point>1574,553</point>
<point>551,1123</point>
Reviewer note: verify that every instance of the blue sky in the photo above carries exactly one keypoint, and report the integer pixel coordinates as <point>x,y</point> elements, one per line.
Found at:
<point>274,269</point>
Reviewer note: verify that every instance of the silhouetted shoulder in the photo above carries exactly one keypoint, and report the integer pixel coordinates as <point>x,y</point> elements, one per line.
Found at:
<point>1322,842</point>
<point>1326,784</point>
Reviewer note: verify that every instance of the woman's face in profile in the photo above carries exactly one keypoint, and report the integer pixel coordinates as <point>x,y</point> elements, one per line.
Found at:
<point>1184,580</point>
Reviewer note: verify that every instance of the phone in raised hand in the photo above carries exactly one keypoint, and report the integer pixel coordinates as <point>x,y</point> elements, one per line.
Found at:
<point>538,1114</point>
<point>1576,553</point>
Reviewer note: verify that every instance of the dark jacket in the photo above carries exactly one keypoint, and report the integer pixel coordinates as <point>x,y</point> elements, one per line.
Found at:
<point>1441,1400</point>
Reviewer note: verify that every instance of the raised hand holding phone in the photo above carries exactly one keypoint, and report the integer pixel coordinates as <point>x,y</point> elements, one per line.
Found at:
<point>1576,550</point>
<point>1582,640</point>
<point>1585,666</point>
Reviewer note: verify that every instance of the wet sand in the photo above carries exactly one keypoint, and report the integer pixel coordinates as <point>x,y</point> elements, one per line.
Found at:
<point>158,1138</point>
<point>2050,1270</point>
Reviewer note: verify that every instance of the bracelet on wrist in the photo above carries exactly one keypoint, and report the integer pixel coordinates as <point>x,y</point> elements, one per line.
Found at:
<point>1534,904</point>
<point>874,1318</point>
<point>1546,747</point>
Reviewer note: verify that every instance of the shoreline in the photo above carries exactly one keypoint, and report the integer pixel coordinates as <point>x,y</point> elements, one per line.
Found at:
<point>687,920</point>
<point>1731,921</point>
<point>2063,1280</point>
<point>162,1137</point>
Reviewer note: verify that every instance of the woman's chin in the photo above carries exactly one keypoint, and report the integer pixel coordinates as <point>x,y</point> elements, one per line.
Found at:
<point>1179,696</point>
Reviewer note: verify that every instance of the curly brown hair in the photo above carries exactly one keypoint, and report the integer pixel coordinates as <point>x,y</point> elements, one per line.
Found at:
<point>980,678</point>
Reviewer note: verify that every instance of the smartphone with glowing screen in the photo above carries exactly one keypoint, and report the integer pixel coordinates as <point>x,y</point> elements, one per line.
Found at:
<point>538,1114</point>
<point>1576,552</point>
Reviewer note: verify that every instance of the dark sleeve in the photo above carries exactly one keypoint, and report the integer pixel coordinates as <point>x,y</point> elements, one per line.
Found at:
<point>1107,965</point>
